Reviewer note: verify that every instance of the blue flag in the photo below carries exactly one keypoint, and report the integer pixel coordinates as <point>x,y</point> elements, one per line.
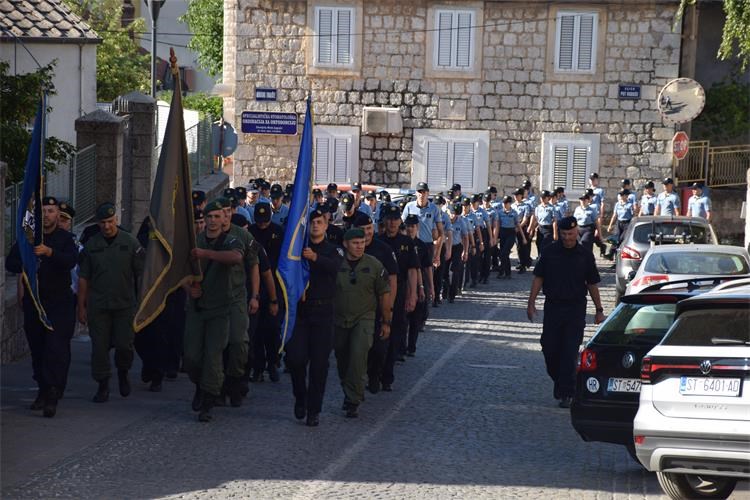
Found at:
<point>293,270</point>
<point>29,216</point>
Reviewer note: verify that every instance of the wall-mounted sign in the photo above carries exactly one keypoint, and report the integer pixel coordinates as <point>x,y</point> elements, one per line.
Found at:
<point>681,100</point>
<point>264,122</point>
<point>265,94</point>
<point>629,92</point>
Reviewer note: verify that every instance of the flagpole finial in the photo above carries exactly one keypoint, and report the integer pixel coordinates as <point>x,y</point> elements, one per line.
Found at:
<point>173,61</point>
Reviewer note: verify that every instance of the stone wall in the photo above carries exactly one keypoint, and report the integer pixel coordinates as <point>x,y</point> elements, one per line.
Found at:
<point>515,99</point>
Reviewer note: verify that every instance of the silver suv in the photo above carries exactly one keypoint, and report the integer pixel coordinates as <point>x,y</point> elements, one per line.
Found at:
<point>650,229</point>
<point>693,422</point>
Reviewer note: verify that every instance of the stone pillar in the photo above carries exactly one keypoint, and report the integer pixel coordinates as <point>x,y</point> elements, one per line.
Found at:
<point>106,131</point>
<point>140,161</point>
<point>3,170</point>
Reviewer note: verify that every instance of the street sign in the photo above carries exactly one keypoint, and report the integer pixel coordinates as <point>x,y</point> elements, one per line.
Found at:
<point>265,122</point>
<point>629,92</point>
<point>265,94</point>
<point>680,144</point>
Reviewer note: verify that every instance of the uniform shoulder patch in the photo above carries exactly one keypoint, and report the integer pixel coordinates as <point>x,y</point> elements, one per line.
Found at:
<point>340,251</point>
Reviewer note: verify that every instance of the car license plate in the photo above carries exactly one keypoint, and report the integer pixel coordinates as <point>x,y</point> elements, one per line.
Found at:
<point>624,385</point>
<point>707,386</point>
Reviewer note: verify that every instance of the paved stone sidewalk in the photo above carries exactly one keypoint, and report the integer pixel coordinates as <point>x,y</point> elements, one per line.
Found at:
<point>470,417</point>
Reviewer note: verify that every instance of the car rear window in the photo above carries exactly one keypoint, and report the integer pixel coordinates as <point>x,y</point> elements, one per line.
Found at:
<point>674,232</point>
<point>636,324</point>
<point>702,263</point>
<point>711,327</point>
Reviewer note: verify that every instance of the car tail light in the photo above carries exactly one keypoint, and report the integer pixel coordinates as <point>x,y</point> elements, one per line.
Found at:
<point>588,361</point>
<point>630,253</point>
<point>646,370</point>
<point>651,279</point>
<point>639,440</point>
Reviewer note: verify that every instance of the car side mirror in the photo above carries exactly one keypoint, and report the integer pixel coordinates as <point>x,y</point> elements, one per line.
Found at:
<point>631,275</point>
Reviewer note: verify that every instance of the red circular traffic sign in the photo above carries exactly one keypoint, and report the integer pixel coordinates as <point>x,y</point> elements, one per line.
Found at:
<point>680,144</point>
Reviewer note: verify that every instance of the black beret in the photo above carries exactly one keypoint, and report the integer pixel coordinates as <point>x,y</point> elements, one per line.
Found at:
<point>67,210</point>
<point>487,196</point>
<point>213,206</point>
<point>353,232</point>
<point>357,186</point>
<point>625,182</point>
<point>696,185</point>
<point>347,199</point>
<point>289,188</point>
<point>649,185</point>
<point>105,211</point>
<point>317,192</point>
<point>385,196</point>
<point>276,187</point>
<point>370,195</point>
<point>49,200</point>
<point>475,198</point>
<point>492,189</point>
<point>559,189</point>
<point>585,196</point>
<point>457,207</point>
<point>456,187</point>
<point>519,191</point>
<point>439,200</point>
<point>277,193</point>
<point>391,212</point>
<point>314,214</point>
<point>545,194</point>
<point>568,223</point>
<point>594,175</point>
<point>624,192</point>
<point>225,202</point>
<point>526,183</point>
<point>422,186</point>
<point>241,192</point>
<point>239,220</point>
<point>198,214</point>
<point>262,212</point>
<point>465,200</point>
<point>507,199</point>
<point>199,197</point>
<point>590,192</point>
<point>229,193</point>
<point>333,204</point>
<point>361,219</point>
<point>252,188</point>
<point>668,180</point>
<point>332,187</point>
<point>411,220</point>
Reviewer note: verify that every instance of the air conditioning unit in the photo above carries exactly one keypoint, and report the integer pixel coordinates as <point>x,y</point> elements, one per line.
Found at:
<point>381,121</point>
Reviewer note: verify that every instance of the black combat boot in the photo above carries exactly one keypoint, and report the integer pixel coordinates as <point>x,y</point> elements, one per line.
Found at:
<point>38,403</point>
<point>123,382</point>
<point>234,391</point>
<point>156,381</point>
<point>197,398</point>
<point>273,373</point>
<point>205,410</point>
<point>102,393</point>
<point>50,402</point>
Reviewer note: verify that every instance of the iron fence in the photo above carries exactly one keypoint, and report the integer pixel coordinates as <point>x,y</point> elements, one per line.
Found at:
<point>715,166</point>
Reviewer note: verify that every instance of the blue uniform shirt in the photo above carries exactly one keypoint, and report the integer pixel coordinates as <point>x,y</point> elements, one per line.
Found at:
<point>598,196</point>
<point>429,216</point>
<point>624,211</point>
<point>585,216</point>
<point>480,218</point>
<point>563,208</point>
<point>245,213</point>
<point>668,203</point>
<point>648,204</point>
<point>508,220</point>
<point>522,209</point>
<point>280,216</point>
<point>459,229</point>
<point>546,214</point>
<point>471,222</point>
<point>699,206</point>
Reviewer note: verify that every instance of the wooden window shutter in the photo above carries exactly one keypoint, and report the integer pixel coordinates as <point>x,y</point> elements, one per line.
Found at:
<point>325,36</point>
<point>560,166</point>
<point>437,163</point>
<point>321,160</point>
<point>463,165</point>
<point>586,42</point>
<point>341,160</point>
<point>343,37</point>
<point>445,38</point>
<point>580,163</point>
<point>565,42</point>
<point>463,39</point>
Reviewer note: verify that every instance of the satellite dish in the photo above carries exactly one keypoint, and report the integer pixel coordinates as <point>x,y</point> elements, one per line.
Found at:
<point>681,100</point>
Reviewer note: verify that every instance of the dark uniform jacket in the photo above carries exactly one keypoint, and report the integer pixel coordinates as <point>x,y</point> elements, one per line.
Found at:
<point>567,272</point>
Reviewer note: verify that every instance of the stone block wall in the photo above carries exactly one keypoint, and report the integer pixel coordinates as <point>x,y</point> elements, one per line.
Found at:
<point>515,99</point>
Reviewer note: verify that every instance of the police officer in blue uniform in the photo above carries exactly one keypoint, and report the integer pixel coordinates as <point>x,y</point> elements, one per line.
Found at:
<point>566,272</point>
<point>624,211</point>
<point>648,200</point>
<point>699,204</point>
<point>459,252</point>
<point>668,203</point>
<point>588,222</point>
<point>280,211</point>
<point>545,221</point>
<point>523,239</point>
<point>509,222</point>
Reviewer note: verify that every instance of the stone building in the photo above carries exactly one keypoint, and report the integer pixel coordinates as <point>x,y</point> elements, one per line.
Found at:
<point>475,92</point>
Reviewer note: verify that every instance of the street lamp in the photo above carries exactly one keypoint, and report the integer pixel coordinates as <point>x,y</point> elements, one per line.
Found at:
<point>154,6</point>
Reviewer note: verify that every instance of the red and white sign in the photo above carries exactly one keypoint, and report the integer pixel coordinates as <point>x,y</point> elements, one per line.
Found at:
<point>680,144</point>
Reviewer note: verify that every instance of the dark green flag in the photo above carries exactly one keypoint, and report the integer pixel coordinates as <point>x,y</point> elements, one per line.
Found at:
<point>171,229</point>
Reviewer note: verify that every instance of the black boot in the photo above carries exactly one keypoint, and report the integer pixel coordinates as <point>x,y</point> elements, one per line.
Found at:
<point>205,410</point>
<point>197,398</point>
<point>102,393</point>
<point>156,381</point>
<point>233,390</point>
<point>123,382</point>
<point>273,373</point>
<point>50,402</point>
<point>38,403</point>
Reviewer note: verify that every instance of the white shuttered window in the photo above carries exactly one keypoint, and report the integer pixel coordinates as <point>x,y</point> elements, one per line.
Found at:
<point>445,157</point>
<point>576,40</point>
<point>336,154</point>
<point>454,39</point>
<point>333,42</point>
<point>567,161</point>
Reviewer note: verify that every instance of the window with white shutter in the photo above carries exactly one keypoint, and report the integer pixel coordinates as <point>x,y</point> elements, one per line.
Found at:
<point>455,32</point>
<point>336,154</point>
<point>333,36</point>
<point>567,161</point>
<point>576,40</point>
<point>446,157</point>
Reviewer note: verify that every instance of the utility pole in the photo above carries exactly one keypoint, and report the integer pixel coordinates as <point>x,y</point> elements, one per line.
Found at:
<point>154,6</point>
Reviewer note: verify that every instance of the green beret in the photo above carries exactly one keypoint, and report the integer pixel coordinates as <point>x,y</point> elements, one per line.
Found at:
<point>354,232</point>
<point>213,207</point>
<point>105,211</point>
<point>224,201</point>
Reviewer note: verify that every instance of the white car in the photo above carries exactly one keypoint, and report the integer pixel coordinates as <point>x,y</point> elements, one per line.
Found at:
<point>693,422</point>
<point>678,262</point>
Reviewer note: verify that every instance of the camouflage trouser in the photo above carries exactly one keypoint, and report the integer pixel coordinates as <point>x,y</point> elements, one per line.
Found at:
<point>206,337</point>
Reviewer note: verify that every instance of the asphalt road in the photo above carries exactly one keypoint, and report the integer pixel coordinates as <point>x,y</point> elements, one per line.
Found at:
<point>471,416</point>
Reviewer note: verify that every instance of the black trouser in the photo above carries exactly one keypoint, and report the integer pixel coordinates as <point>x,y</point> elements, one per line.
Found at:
<point>50,350</point>
<point>308,350</point>
<point>622,226</point>
<point>562,334</point>
<point>545,236</point>
<point>507,239</point>
<point>159,345</point>
<point>267,339</point>
<point>382,356</point>
<point>475,261</point>
<point>524,249</point>
<point>485,261</point>
<point>586,237</point>
<point>437,277</point>
<point>456,271</point>
<point>416,320</point>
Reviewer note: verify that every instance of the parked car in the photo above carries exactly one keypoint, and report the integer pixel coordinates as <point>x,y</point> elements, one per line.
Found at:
<point>693,422</point>
<point>608,382</point>
<point>676,262</point>
<point>645,231</point>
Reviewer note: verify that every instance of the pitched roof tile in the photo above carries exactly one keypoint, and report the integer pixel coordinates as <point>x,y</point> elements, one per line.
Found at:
<point>42,19</point>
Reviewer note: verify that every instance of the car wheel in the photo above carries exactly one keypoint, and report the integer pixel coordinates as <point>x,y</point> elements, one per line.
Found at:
<point>632,453</point>
<point>682,486</point>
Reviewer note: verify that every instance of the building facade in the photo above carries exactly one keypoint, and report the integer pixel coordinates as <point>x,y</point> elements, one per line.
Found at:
<point>469,92</point>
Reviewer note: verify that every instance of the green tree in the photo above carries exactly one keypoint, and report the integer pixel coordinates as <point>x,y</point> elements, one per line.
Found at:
<point>735,38</point>
<point>205,18</point>
<point>120,66</point>
<point>725,119</point>
<point>19,98</point>
<point>207,105</point>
